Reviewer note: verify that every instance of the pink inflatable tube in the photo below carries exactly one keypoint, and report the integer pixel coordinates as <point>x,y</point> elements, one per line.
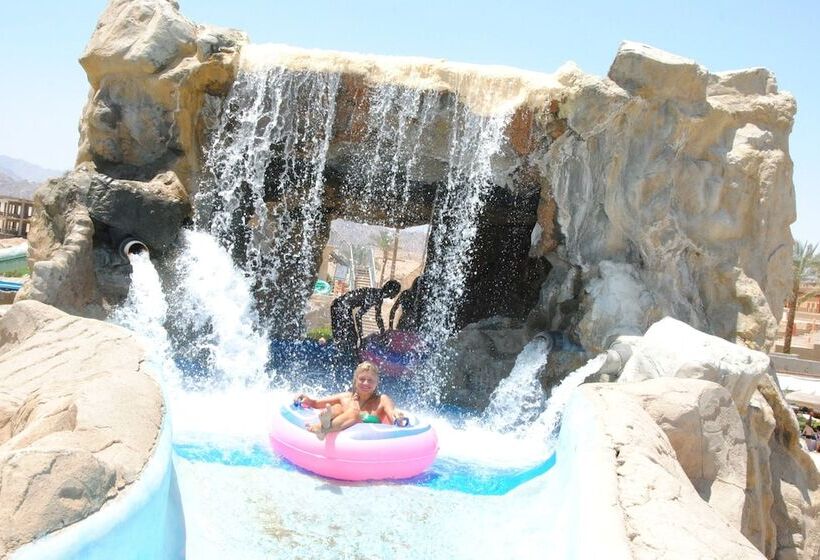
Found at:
<point>361,452</point>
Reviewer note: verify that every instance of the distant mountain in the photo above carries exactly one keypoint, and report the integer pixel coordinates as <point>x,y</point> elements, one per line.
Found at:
<point>344,232</point>
<point>25,171</point>
<point>19,179</point>
<point>16,188</point>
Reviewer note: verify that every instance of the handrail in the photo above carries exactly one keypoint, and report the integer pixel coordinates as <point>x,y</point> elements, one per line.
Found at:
<point>352,273</point>
<point>371,269</point>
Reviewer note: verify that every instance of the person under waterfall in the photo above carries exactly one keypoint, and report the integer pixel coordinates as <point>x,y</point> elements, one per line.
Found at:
<point>362,403</point>
<point>347,310</point>
<point>410,304</point>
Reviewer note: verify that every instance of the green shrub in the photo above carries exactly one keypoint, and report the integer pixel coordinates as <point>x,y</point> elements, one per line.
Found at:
<point>320,332</point>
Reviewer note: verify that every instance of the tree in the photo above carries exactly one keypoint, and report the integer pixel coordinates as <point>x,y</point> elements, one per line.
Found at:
<point>384,240</point>
<point>804,264</point>
<point>395,254</point>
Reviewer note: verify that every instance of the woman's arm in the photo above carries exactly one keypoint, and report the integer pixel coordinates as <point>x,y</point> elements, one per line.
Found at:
<point>323,402</point>
<point>387,409</point>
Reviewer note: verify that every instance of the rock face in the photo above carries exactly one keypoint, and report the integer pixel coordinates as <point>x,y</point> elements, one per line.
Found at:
<point>79,222</point>
<point>683,177</point>
<point>660,190</point>
<point>151,72</point>
<point>78,421</point>
<point>663,514</point>
<point>733,434</point>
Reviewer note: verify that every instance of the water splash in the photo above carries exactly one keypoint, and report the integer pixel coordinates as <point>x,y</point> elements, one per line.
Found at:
<point>144,312</point>
<point>215,323</point>
<point>519,398</point>
<point>548,421</point>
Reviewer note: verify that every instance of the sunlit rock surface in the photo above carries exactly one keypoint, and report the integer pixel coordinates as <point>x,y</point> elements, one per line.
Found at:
<point>151,72</point>
<point>79,418</point>
<point>733,433</point>
<point>663,515</point>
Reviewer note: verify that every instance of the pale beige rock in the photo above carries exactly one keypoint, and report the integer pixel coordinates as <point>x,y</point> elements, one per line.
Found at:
<point>663,514</point>
<point>151,71</point>
<point>779,511</point>
<point>61,245</point>
<point>706,432</point>
<point>79,418</point>
<point>671,348</point>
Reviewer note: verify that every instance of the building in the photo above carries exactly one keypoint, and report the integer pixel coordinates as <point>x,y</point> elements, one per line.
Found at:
<point>812,303</point>
<point>15,217</point>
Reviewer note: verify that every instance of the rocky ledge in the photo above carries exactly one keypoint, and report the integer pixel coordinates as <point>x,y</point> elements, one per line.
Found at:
<point>79,419</point>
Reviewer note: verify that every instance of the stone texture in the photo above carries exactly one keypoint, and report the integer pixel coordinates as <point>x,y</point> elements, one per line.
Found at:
<point>150,71</point>
<point>79,221</point>
<point>779,511</point>
<point>663,514</point>
<point>689,186</point>
<point>706,432</point>
<point>696,355</point>
<point>79,418</point>
<point>61,245</point>
<point>483,354</point>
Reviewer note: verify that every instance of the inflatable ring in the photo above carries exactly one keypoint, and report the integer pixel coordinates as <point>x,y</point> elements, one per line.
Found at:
<point>361,452</point>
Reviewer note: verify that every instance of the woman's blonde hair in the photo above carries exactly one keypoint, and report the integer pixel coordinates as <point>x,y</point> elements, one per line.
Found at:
<point>364,366</point>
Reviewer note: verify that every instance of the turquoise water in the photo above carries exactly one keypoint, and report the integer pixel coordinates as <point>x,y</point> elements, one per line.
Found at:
<point>445,474</point>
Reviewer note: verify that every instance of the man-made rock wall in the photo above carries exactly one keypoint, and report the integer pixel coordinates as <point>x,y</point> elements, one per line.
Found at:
<point>685,177</point>
<point>664,189</point>
<point>79,419</point>
<point>80,221</point>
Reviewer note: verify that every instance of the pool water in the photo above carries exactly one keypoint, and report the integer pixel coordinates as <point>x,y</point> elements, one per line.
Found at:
<point>445,474</point>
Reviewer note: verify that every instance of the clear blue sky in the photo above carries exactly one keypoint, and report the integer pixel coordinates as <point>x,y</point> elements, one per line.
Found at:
<point>45,88</point>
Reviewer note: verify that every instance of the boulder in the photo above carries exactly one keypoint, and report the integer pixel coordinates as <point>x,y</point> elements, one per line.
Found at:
<point>654,74</point>
<point>696,355</point>
<point>78,420</point>
<point>151,71</point>
<point>756,451</point>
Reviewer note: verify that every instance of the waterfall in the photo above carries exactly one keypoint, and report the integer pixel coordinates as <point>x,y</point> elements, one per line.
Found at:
<point>474,141</point>
<point>214,316</point>
<point>545,425</point>
<point>519,398</point>
<point>144,312</point>
<point>264,183</point>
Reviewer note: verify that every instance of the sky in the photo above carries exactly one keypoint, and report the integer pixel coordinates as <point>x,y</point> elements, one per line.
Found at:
<point>45,87</point>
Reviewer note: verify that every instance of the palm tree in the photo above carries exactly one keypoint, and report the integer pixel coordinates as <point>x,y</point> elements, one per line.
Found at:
<point>384,240</point>
<point>395,253</point>
<point>804,264</point>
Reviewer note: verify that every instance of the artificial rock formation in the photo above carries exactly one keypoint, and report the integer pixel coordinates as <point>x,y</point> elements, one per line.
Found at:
<point>79,418</point>
<point>660,190</point>
<point>662,513</point>
<point>151,73</point>
<point>733,434</point>
<point>79,222</point>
